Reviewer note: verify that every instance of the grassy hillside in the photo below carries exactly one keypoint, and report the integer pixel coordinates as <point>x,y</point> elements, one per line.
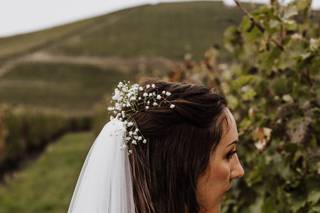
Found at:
<point>59,67</point>
<point>25,43</point>
<point>47,184</point>
<point>59,86</point>
<point>169,30</point>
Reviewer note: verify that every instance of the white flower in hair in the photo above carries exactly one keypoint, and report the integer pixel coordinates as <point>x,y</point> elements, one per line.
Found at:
<point>116,95</point>
<point>128,100</point>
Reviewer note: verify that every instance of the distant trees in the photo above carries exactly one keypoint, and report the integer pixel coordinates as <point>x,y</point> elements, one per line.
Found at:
<point>25,131</point>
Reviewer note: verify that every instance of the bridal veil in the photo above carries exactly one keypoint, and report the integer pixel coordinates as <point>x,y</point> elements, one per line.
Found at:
<point>104,184</point>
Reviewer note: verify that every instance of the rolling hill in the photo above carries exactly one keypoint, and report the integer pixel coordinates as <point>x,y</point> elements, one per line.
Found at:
<point>72,66</point>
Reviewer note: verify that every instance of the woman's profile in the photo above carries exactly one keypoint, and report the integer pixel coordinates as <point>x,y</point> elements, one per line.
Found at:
<point>168,148</point>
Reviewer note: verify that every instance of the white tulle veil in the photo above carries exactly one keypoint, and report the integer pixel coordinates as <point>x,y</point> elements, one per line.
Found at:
<point>104,184</point>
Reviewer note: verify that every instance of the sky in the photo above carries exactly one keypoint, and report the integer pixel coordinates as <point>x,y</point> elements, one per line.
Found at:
<point>18,16</point>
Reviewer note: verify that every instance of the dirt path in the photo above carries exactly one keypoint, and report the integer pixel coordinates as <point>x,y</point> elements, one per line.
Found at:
<point>121,64</point>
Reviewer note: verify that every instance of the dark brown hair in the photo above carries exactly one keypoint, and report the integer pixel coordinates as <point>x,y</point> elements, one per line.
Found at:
<point>165,170</point>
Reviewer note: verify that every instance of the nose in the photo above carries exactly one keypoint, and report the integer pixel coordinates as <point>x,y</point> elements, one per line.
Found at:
<point>237,171</point>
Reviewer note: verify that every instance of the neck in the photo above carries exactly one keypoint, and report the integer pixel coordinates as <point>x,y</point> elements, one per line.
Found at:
<point>214,209</point>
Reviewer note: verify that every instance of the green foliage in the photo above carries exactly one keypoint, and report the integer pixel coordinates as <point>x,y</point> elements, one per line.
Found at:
<point>26,131</point>
<point>273,88</point>
<point>3,132</point>
<point>276,82</point>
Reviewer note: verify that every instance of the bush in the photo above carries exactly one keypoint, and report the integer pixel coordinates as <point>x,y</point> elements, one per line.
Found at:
<point>26,131</point>
<point>3,133</point>
<point>273,88</point>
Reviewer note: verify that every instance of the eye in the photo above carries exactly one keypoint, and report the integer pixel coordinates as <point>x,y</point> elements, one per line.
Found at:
<point>230,154</point>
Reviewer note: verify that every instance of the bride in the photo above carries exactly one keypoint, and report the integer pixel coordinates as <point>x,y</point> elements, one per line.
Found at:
<point>168,148</point>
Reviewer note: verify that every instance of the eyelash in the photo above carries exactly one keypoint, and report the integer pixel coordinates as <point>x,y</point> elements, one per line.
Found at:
<point>230,154</point>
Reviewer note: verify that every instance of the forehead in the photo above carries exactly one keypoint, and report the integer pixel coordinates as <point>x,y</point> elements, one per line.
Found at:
<point>230,132</point>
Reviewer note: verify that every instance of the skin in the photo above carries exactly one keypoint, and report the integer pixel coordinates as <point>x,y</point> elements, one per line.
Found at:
<point>224,166</point>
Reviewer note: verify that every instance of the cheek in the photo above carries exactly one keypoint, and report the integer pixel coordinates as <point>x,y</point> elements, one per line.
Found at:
<point>220,172</point>
<point>213,184</point>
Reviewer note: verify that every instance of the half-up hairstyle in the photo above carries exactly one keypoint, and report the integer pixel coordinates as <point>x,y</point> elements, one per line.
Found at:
<point>180,141</point>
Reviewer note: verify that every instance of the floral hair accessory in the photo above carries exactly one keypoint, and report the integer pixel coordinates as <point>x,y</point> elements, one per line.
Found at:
<point>130,99</point>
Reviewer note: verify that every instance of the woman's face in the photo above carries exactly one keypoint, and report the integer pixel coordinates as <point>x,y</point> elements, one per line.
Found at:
<point>223,167</point>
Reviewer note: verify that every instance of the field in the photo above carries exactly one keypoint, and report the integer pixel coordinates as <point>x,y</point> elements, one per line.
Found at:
<point>58,86</point>
<point>23,44</point>
<point>74,65</point>
<point>47,184</point>
<point>168,29</point>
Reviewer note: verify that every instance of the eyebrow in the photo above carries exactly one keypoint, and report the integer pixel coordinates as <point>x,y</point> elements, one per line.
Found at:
<point>236,141</point>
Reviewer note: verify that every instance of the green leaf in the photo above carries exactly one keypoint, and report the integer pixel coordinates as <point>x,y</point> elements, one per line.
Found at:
<point>290,25</point>
<point>302,4</point>
<point>297,204</point>
<point>242,81</point>
<point>314,197</point>
<point>232,101</point>
<point>315,209</point>
<point>248,93</point>
<point>268,205</point>
<point>280,86</point>
<point>291,11</point>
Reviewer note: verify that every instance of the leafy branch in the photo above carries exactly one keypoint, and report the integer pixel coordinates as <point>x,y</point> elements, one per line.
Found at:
<point>257,24</point>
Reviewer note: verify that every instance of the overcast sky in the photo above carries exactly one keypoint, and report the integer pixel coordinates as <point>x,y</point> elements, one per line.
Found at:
<point>19,16</point>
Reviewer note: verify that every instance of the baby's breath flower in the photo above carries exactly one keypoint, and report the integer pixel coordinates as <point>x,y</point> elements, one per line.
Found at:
<point>129,99</point>
<point>116,95</point>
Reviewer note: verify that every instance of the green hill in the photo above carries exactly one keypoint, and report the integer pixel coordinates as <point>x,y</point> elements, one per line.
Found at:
<point>47,184</point>
<point>18,45</point>
<point>167,29</point>
<point>58,85</point>
<point>72,66</point>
